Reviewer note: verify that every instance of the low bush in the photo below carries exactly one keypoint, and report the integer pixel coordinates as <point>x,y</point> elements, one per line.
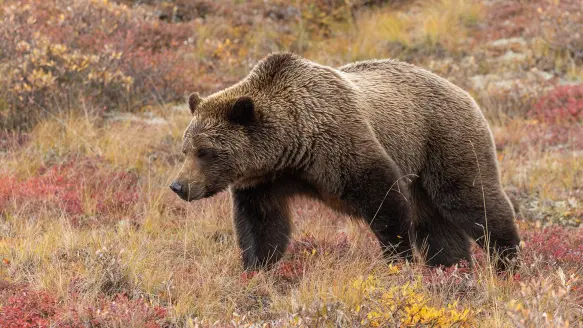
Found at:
<point>562,105</point>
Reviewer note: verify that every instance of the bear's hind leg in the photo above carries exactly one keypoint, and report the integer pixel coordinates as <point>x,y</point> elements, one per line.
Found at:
<point>439,241</point>
<point>262,224</point>
<point>496,232</point>
<point>463,183</point>
<point>492,227</point>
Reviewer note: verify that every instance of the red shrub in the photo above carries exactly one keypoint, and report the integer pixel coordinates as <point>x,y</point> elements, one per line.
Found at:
<point>67,186</point>
<point>562,105</point>
<point>289,270</point>
<point>554,245</point>
<point>119,312</point>
<point>27,308</point>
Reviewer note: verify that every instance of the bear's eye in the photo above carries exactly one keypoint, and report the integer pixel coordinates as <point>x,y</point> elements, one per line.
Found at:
<point>204,153</point>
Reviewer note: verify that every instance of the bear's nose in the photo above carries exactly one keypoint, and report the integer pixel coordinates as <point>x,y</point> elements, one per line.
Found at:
<point>176,187</point>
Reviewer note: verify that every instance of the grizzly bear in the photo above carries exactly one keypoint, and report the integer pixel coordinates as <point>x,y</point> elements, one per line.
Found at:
<point>381,140</point>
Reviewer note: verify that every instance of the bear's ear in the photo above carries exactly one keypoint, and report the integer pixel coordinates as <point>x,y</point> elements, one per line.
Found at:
<point>243,111</point>
<point>193,101</point>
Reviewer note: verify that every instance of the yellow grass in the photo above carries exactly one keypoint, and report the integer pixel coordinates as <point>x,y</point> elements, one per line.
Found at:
<point>189,261</point>
<point>184,256</point>
<point>425,26</point>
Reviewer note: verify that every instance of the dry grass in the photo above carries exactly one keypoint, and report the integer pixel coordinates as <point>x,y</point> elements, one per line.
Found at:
<point>91,235</point>
<point>184,256</point>
<point>425,29</point>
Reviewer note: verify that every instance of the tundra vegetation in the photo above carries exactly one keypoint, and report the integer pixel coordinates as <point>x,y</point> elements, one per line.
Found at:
<point>92,110</point>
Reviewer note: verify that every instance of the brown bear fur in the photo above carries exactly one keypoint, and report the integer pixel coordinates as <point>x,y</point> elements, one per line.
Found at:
<point>405,150</point>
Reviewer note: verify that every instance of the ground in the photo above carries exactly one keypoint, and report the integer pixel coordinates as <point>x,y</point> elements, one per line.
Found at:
<point>92,110</point>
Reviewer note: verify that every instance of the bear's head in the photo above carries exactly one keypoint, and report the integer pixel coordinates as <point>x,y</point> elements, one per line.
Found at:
<point>222,145</point>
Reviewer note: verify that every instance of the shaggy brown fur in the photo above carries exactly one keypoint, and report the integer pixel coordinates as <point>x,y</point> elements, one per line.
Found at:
<point>391,143</point>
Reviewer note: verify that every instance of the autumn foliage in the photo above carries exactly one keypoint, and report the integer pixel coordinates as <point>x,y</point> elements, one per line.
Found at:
<point>562,105</point>
<point>77,188</point>
<point>27,308</point>
<point>92,114</point>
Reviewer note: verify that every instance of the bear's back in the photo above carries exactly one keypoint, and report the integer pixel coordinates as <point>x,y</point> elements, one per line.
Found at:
<point>409,107</point>
<point>408,83</point>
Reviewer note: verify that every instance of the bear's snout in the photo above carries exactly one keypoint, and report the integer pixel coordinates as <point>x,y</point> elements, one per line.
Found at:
<point>180,190</point>
<point>176,187</point>
<point>191,191</point>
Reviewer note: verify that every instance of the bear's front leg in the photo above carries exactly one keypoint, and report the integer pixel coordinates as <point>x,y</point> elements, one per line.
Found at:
<point>380,195</point>
<point>262,224</point>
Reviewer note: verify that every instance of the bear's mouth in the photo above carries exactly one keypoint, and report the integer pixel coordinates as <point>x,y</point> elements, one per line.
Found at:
<point>209,194</point>
<point>206,194</point>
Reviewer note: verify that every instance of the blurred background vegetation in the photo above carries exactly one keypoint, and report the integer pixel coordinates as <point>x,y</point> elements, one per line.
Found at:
<point>95,56</point>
